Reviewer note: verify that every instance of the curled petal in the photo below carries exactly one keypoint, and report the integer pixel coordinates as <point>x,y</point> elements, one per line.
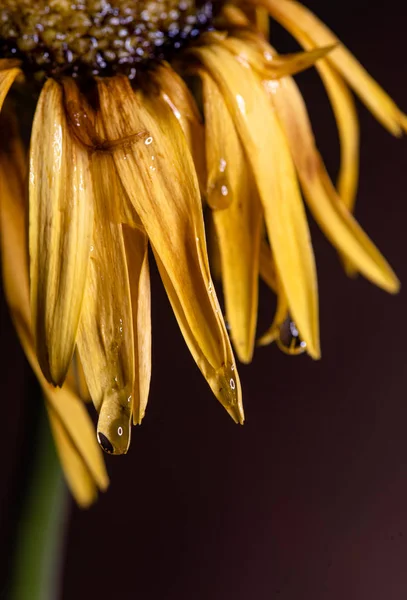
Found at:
<point>326,206</point>
<point>61,219</point>
<point>158,175</point>
<point>136,244</point>
<point>105,337</point>
<point>311,32</point>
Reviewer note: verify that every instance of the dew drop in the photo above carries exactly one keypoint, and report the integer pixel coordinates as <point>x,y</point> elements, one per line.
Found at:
<point>232,384</point>
<point>148,141</point>
<point>120,431</point>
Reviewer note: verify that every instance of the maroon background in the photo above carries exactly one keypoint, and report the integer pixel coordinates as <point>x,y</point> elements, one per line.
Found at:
<point>309,499</point>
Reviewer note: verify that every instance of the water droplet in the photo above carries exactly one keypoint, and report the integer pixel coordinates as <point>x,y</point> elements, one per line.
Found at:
<point>289,340</point>
<point>148,141</point>
<point>219,194</point>
<point>222,165</point>
<point>92,248</point>
<point>232,384</point>
<point>120,431</point>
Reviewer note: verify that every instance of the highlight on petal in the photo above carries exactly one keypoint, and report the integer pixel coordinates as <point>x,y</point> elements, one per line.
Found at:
<point>237,221</point>
<point>158,175</point>
<point>327,208</point>
<point>60,233</point>
<point>268,154</point>
<point>178,97</point>
<point>311,32</point>
<point>8,74</point>
<point>136,245</point>
<point>105,337</point>
<point>76,443</point>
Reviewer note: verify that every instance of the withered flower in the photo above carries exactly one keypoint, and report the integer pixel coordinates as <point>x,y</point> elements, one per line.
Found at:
<point>145,112</point>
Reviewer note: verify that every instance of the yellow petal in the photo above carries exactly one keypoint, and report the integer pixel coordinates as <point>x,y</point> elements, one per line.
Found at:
<point>175,92</point>
<point>105,336</point>
<point>72,415</point>
<point>61,217</point>
<point>238,226</point>
<point>267,151</point>
<point>258,54</point>
<point>310,32</point>
<point>348,127</point>
<point>77,475</point>
<point>159,177</point>
<point>139,277</point>
<point>328,209</point>
<point>7,77</point>
<point>267,267</point>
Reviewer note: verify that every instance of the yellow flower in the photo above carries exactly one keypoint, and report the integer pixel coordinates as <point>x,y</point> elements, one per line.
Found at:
<point>122,155</point>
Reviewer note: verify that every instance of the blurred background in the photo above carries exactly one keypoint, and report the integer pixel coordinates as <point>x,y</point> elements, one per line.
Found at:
<point>309,499</point>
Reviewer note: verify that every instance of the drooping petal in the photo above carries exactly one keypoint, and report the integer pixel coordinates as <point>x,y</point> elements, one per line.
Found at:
<point>136,245</point>
<point>238,225</point>
<point>311,32</point>
<point>175,92</point>
<point>61,218</point>
<point>267,151</point>
<point>7,77</point>
<point>348,127</point>
<point>105,336</point>
<point>326,206</point>
<point>158,175</point>
<point>259,56</point>
<point>76,473</point>
<point>86,471</point>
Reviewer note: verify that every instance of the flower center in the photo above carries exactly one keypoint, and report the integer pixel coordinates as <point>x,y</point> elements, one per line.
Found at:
<point>97,37</point>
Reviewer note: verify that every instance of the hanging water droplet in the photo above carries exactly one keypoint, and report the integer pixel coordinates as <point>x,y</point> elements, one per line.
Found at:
<point>289,340</point>
<point>219,195</point>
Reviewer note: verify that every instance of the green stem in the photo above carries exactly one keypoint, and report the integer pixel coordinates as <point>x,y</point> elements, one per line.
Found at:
<point>40,533</point>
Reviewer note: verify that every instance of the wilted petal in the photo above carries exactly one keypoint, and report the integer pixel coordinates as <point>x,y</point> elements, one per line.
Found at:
<point>348,127</point>
<point>328,209</point>
<point>105,336</point>
<point>158,175</point>
<point>256,52</point>
<point>8,74</point>
<point>61,218</point>
<point>136,245</point>
<point>175,92</point>
<point>311,32</point>
<point>77,475</point>
<point>237,225</point>
<point>86,471</point>
<point>267,151</point>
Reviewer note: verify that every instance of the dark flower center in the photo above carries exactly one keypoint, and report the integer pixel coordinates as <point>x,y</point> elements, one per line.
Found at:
<point>85,38</point>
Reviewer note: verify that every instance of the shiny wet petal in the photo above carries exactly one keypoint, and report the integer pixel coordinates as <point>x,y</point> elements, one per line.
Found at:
<point>61,220</point>
<point>158,175</point>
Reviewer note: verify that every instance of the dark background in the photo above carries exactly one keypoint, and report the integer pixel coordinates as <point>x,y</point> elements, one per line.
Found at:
<point>309,499</point>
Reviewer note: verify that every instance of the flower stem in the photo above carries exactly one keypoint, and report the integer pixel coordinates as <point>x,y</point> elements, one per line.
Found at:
<point>40,533</point>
